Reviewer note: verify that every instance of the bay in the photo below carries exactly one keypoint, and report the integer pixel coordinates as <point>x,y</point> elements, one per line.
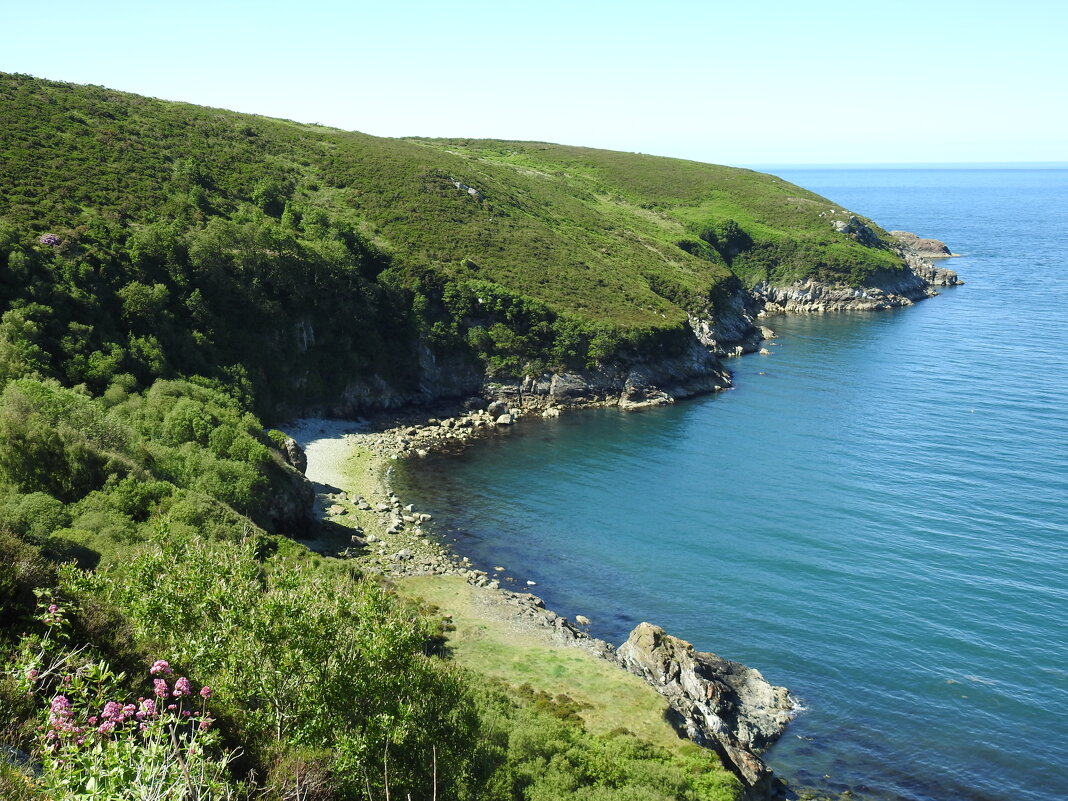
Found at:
<point>876,516</point>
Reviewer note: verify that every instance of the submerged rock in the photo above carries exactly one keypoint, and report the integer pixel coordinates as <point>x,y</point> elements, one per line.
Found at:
<point>724,705</point>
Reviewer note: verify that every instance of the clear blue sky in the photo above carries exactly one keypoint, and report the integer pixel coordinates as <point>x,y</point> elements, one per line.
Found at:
<point>745,82</point>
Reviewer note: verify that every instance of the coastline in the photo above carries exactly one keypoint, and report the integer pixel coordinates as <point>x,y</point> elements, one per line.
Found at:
<point>656,685</point>
<point>735,713</point>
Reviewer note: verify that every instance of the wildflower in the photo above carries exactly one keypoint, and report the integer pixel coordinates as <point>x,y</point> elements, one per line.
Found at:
<point>205,724</point>
<point>171,707</point>
<point>53,609</point>
<point>148,707</point>
<point>160,667</point>
<point>181,687</point>
<point>33,673</point>
<point>106,727</point>
<point>205,693</point>
<point>161,688</point>
<point>49,239</point>
<point>112,711</point>
<point>61,706</point>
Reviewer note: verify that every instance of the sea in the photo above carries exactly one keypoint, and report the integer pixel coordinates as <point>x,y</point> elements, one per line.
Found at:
<point>875,516</point>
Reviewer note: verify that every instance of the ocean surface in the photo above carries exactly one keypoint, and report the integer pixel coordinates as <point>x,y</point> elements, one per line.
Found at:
<point>875,517</point>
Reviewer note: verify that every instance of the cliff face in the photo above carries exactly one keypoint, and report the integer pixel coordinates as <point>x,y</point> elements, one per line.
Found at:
<point>889,291</point>
<point>723,705</point>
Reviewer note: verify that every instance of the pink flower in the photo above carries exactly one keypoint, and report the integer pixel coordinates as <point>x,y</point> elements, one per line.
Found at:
<point>161,688</point>
<point>181,687</point>
<point>33,674</point>
<point>61,706</point>
<point>148,707</point>
<point>205,724</point>
<point>205,692</point>
<point>112,711</point>
<point>160,667</point>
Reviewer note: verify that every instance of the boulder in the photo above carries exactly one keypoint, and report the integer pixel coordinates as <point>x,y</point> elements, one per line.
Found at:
<point>505,420</point>
<point>294,455</point>
<point>929,248</point>
<point>725,705</point>
<point>497,408</point>
<point>857,230</point>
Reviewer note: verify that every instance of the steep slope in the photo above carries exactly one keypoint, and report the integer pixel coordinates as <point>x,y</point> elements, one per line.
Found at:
<point>320,267</point>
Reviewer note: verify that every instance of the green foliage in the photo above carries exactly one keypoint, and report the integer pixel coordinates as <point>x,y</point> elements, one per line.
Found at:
<point>303,659</point>
<point>234,242</point>
<point>536,752</point>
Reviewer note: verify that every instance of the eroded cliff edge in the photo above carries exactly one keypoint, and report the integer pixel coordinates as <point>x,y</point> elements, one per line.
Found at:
<point>733,325</point>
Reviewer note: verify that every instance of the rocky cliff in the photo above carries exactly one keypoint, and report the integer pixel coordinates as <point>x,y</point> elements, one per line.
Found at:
<point>723,705</point>
<point>890,290</point>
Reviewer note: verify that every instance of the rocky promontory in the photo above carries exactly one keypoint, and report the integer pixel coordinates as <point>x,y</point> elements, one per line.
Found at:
<point>724,705</point>
<point>928,248</point>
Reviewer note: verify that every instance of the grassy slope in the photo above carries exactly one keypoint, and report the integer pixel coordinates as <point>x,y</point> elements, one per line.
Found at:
<point>588,232</point>
<point>495,646</point>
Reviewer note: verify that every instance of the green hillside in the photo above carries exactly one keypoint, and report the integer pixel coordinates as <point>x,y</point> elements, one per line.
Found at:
<point>173,276</point>
<point>195,240</point>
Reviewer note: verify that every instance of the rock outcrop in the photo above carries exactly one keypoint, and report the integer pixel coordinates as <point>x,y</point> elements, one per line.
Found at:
<point>857,230</point>
<point>724,705</point>
<point>629,386</point>
<point>887,291</point>
<point>807,297</point>
<point>928,248</point>
<point>294,455</point>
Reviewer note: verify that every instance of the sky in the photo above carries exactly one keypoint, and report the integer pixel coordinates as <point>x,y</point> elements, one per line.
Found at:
<point>745,82</point>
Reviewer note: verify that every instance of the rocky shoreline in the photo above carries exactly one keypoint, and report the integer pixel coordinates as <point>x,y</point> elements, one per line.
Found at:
<point>719,704</point>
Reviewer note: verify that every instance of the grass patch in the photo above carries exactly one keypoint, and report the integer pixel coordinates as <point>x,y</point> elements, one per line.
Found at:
<point>610,698</point>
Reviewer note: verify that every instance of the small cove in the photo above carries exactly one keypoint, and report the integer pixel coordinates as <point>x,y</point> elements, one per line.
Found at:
<point>875,517</point>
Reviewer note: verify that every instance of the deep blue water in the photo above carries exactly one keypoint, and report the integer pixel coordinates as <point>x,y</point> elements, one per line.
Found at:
<point>876,516</point>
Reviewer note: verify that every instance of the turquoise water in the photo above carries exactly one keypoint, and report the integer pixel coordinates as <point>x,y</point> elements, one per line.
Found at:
<point>876,516</point>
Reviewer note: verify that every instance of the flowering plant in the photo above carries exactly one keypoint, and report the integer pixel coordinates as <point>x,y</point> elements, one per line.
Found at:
<point>92,743</point>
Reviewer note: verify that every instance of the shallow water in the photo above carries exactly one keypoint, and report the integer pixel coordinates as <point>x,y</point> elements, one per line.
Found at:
<point>875,517</point>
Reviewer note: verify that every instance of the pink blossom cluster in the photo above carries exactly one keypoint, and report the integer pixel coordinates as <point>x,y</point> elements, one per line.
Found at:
<point>49,239</point>
<point>161,667</point>
<point>53,617</point>
<point>61,724</point>
<point>63,729</point>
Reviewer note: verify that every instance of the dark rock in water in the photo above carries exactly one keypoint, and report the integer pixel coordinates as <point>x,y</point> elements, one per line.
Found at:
<point>497,408</point>
<point>725,705</point>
